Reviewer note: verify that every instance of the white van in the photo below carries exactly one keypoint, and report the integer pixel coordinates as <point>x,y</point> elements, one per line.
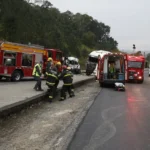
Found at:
<point>73,62</point>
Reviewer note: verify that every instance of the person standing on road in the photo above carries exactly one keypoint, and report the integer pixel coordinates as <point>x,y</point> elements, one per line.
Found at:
<point>66,76</point>
<point>37,72</point>
<point>52,76</point>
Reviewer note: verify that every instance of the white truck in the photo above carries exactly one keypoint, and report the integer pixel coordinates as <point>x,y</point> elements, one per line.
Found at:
<point>92,62</point>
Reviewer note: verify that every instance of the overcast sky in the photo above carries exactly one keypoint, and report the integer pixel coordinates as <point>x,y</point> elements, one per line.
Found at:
<point>129,19</point>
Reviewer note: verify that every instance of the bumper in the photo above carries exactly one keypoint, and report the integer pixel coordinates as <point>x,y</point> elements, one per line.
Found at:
<point>132,78</point>
<point>5,75</point>
<point>111,82</point>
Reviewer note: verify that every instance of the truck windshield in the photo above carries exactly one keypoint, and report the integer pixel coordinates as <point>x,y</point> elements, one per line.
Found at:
<point>93,59</point>
<point>134,64</point>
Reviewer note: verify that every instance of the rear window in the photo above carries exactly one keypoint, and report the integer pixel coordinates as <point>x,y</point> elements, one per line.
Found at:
<point>134,64</point>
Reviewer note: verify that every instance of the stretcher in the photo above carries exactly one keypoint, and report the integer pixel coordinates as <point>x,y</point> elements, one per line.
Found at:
<point>119,86</point>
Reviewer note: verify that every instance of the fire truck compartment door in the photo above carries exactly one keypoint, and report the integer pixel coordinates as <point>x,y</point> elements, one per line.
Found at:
<point>38,57</point>
<point>105,65</point>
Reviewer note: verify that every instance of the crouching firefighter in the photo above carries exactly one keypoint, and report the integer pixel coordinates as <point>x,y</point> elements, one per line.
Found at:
<point>66,76</point>
<point>51,83</point>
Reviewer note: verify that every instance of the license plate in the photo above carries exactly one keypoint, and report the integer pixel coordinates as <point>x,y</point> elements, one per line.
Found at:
<point>131,77</point>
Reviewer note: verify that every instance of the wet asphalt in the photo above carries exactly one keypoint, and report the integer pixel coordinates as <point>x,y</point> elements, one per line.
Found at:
<point>117,120</point>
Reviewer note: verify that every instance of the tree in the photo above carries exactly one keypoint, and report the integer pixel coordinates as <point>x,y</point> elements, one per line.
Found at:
<point>75,34</point>
<point>47,4</point>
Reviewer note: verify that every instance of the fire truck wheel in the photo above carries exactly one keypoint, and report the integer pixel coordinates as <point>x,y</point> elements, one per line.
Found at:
<point>16,76</point>
<point>141,81</point>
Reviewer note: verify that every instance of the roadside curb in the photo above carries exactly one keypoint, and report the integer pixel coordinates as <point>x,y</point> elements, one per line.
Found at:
<point>68,134</point>
<point>18,106</point>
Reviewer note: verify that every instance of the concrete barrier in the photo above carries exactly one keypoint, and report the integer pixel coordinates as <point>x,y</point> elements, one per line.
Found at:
<point>18,106</point>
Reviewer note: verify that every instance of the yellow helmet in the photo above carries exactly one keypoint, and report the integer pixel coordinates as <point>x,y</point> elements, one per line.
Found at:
<point>58,63</point>
<point>49,59</point>
<point>68,68</point>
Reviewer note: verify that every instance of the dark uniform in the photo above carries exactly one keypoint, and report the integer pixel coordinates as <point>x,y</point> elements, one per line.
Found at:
<point>51,82</point>
<point>37,72</point>
<point>48,66</point>
<point>57,68</point>
<point>66,76</point>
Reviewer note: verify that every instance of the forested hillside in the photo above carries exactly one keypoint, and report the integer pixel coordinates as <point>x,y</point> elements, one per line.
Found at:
<point>75,34</point>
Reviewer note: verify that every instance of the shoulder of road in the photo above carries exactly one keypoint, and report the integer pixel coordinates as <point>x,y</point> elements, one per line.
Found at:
<point>16,95</point>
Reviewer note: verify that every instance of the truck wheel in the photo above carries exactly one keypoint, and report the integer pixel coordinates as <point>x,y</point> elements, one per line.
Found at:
<point>16,76</point>
<point>87,73</point>
<point>141,81</point>
<point>101,84</point>
<point>79,71</point>
<point>1,78</point>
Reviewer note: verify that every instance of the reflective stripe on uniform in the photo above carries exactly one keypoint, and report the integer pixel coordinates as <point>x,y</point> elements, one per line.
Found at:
<point>51,75</point>
<point>68,84</point>
<point>50,83</point>
<point>50,96</point>
<point>67,75</point>
<point>34,73</point>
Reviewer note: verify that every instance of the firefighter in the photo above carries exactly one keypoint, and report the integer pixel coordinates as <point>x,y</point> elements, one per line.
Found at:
<point>37,72</point>
<point>58,69</point>
<point>49,64</point>
<point>67,78</point>
<point>51,81</point>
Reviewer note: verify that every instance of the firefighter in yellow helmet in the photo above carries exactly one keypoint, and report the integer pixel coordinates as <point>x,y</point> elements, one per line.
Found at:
<point>58,69</point>
<point>51,82</point>
<point>67,78</point>
<point>49,64</point>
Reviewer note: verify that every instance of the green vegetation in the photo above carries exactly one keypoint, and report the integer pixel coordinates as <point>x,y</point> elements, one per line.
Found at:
<point>75,34</point>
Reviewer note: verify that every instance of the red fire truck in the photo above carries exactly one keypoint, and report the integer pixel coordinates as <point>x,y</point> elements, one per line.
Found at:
<point>107,76</point>
<point>135,68</point>
<point>18,60</point>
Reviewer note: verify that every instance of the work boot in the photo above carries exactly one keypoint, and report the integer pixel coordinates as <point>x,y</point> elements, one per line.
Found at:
<point>35,88</point>
<point>50,100</point>
<point>72,94</point>
<point>40,90</point>
<point>62,99</point>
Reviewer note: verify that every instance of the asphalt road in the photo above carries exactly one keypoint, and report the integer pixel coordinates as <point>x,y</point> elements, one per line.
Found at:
<point>117,120</point>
